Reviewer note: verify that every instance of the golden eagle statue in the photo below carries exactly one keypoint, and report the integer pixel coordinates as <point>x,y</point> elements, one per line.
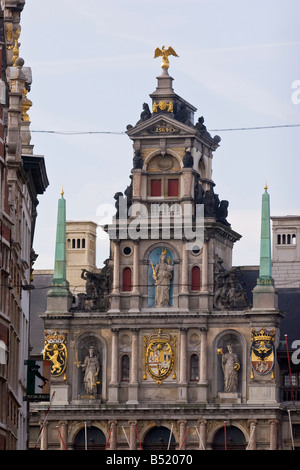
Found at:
<point>164,53</point>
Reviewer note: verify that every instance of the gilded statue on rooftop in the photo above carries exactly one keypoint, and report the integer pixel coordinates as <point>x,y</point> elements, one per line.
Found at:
<point>164,53</point>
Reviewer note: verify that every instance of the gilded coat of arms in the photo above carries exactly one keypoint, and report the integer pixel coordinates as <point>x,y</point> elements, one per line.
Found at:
<point>159,355</point>
<point>262,353</point>
<point>55,351</point>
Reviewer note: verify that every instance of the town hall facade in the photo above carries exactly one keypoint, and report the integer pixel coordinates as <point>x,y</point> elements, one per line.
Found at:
<point>164,349</point>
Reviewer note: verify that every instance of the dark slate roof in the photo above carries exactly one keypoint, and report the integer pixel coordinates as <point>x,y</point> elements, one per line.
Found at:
<point>41,283</point>
<point>288,303</point>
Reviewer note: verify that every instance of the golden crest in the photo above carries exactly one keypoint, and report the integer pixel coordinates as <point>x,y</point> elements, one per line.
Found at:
<point>163,106</point>
<point>159,355</point>
<point>262,354</point>
<point>55,351</point>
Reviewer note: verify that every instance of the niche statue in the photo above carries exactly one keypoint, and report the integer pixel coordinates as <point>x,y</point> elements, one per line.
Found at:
<point>162,274</point>
<point>230,367</point>
<point>91,370</point>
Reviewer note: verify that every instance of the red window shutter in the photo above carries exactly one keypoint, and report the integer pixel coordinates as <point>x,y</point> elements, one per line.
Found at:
<point>196,278</point>
<point>155,187</point>
<point>173,186</point>
<point>127,280</point>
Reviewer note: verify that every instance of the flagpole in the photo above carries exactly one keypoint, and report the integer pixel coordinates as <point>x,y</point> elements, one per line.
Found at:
<point>61,438</point>
<point>291,429</point>
<point>125,436</point>
<point>225,435</point>
<point>138,438</point>
<point>250,438</point>
<point>290,371</point>
<point>170,437</point>
<point>184,438</point>
<point>85,436</point>
<point>199,437</point>
<point>108,438</point>
<point>44,422</point>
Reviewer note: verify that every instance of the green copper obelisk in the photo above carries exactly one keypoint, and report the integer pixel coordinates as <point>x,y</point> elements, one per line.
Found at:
<point>265,297</point>
<point>59,296</point>
<point>265,265</point>
<point>60,273</point>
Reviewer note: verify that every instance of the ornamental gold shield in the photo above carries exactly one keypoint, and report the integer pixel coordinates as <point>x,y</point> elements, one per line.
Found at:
<point>262,354</point>
<point>55,351</point>
<point>159,355</point>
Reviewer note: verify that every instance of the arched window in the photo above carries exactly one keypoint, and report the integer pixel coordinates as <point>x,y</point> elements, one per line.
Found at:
<point>196,278</point>
<point>159,438</point>
<point>126,280</point>
<point>194,368</point>
<point>233,439</point>
<point>90,438</point>
<point>125,368</point>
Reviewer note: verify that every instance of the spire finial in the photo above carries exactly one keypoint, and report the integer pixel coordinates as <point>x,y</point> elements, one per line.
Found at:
<point>62,191</point>
<point>164,53</point>
<point>266,186</point>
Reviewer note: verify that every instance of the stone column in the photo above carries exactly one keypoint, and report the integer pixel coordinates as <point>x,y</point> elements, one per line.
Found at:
<point>184,270</point>
<point>114,356</point>
<point>183,358</point>
<point>211,265</point>
<point>252,436</point>
<point>132,435</point>
<point>135,286</point>
<point>133,383</point>
<point>182,432</point>
<point>44,437</point>
<point>63,428</point>
<point>113,435</point>
<point>134,357</point>
<point>135,297</point>
<point>204,280</point>
<point>184,291</point>
<point>182,388</point>
<point>203,356</point>
<point>114,377</point>
<point>115,294</point>
<point>202,434</point>
<point>136,183</point>
<point>273,434</point>
<point>116,277</point>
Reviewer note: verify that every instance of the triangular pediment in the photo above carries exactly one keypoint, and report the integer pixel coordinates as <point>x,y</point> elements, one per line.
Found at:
<point>160,124</point>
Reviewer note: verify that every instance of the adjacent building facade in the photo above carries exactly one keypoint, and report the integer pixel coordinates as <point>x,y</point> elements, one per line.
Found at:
<point>165,348</point>
<point>23,178</point>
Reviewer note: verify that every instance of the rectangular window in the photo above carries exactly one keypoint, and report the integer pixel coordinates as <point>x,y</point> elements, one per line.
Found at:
<point>155,188</point>
<point>173,187</point>
<point>196,278</point>
<point>127,280</point>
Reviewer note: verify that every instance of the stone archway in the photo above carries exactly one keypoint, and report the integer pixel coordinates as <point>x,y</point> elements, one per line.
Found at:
<point>91,437</point>
<point>157,438</point>
<point>235,439</point>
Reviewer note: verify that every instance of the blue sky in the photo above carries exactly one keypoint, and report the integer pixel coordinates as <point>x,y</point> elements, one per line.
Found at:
<point>93,68</point>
